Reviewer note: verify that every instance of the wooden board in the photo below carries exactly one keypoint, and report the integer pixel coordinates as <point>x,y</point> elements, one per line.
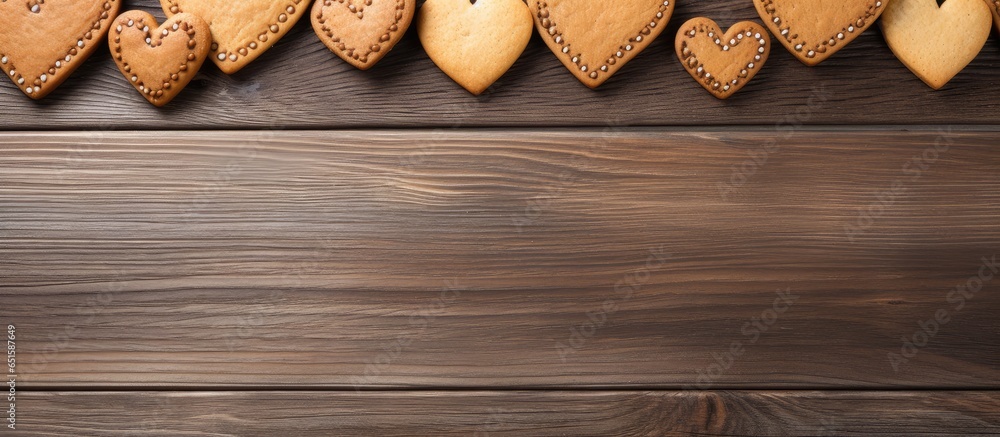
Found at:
<point>301,84</point>
<point>585,270</point>
<point>499,259</point>
<point>481,414</point>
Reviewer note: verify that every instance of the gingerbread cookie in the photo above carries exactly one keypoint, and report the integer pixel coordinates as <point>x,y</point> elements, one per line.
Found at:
<point>361,32</point>
<point>934,42</point>
<point>813,30</point>
<point>474,43</point>
<point>722,62</point>
<point>159,61</point>
<point>241,30</point>
<point>595,38</point>
<point>41,43</point>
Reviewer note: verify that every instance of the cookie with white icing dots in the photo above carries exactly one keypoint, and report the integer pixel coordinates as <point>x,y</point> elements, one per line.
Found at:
<point>596,38</point>
<point>474,43</point>
<point>159,61</point>
<point>361,32</point>
<point>242,30</point>
<point>936,42</point>
<point>813,30</point>
<point>722,62</point>
<point>42,43</point>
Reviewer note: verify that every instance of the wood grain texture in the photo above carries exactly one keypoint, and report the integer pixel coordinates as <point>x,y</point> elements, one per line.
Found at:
<point>300,83</point>
<point>496,259</point>
<point>481,414</point>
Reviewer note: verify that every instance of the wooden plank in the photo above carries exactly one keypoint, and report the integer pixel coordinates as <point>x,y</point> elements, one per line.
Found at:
<point>499,258</point>
<point>299,83</point>
<point>774,413</point>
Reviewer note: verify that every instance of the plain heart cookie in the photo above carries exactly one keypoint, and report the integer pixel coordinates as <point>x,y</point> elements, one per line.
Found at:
<point>159,61</point>
<point>361,32</point>
<point>813,30</point>
<point>474,43</point>
<point>934,42</point>
<point>995,7</point>
<point>722,62</point>
<point>596,38</point>
<point>41,43</point>
<point>241,30</point>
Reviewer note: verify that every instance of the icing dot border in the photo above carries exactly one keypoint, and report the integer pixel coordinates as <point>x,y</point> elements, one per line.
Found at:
<point>90,39</point>
<point>150,93</point>
<point>712,83</point>
<point>353,52</point>
<point>279,26</point>
<point>848,31</point>
<point>663,13</point>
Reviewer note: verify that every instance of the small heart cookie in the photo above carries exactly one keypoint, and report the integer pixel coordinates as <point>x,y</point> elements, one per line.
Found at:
<point>596,38</point>
<point>474,43</point>
<point>159,61</point>
<point>934,42</point>
<point>813,30</point>
<point>722,62</point>
<point>41,43</point>
<point>241,30</point>
<point>361,32</point>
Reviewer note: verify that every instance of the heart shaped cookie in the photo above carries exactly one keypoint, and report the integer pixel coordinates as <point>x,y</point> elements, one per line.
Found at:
<point>722,62</point>
<point>159,61</point>
<point>814,30</point>
<point>995,7</point>
<point>595,38</point>
<point>42,43</point>
<point>934,42</point>
<point>361,32</point>
<point>474,43</point>
<point>241,30</point>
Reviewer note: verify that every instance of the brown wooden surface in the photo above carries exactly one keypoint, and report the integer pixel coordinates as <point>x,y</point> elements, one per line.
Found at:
<point>253,278</point>
<point>217,259</point>
<point>483,414</point>
<point>300,83</point>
